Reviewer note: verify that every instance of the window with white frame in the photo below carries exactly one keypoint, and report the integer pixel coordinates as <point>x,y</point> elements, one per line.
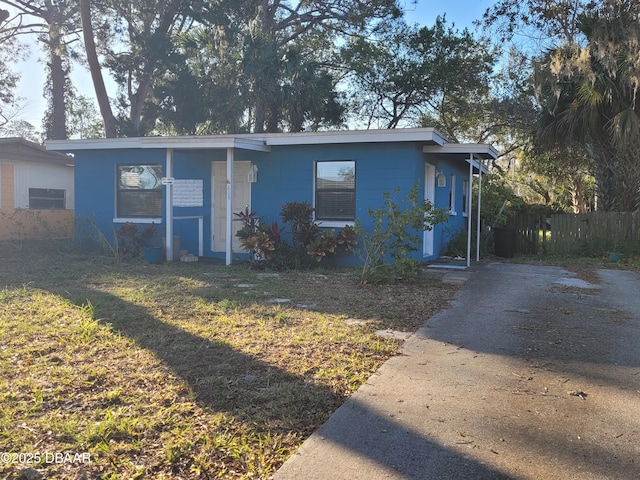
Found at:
<point>47,199</point>
<point>335,195</point>
<point>452,195</point>
<point>139,191</point>
<point>465,197</point>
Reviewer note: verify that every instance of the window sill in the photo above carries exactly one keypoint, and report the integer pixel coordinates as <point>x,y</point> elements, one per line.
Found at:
<point>465,214</point>
<point>137,220</point>
<point>335,223</point>
<point>452,213</point>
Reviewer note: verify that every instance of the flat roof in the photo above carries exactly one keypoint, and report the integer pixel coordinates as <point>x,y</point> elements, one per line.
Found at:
<point>179,142</point>
<point>433,142</point>
<point>466,151</point>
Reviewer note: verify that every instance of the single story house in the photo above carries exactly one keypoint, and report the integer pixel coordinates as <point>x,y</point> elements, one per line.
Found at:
<point>36,191</point>
<point>191,186</point>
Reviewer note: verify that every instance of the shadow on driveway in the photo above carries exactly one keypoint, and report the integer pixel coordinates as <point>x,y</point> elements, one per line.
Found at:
<point>523,377</point>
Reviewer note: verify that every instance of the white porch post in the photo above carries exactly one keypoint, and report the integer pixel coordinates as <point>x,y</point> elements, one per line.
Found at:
<point>469,186</point>
<point>229,226</point>
<point>168,231</point>
<point>479,207</point>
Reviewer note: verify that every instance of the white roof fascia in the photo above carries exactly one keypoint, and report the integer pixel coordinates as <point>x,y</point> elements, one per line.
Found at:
<point>206,142</point>
<point>92,144</point>
<point>357,136</point>
<point>480,150</point>
<point>258,142</point>
<point>185,143</point>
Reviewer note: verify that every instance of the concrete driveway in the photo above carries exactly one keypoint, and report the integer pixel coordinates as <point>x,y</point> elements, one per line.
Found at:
<point>531,374</point>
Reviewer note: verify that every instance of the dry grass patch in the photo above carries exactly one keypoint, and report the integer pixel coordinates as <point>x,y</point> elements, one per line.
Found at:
<point>173,371</point>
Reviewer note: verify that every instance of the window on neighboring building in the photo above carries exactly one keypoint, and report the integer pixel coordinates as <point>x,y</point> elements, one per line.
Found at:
<point>335,195</point>
<point>452,196</point>
<point>465,197</point>
<point>46,199</point>
<point>139,191</point>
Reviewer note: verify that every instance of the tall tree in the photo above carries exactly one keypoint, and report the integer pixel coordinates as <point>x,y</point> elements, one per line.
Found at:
<point>54,25</point>
<point>409,72</point>
<point>536,21</point>
<point>102,96</point>
<point>285,42</point>
<point>261,65</point>
<point>590,99</point>
<point>134,39</point>
<point>9,48</point>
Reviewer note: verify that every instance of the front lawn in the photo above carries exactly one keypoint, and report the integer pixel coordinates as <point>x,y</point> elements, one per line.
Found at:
<point>127,370</point>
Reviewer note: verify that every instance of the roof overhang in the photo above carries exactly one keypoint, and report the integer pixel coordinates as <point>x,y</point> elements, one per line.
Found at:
<point>19,149</point>
<point>207,142</point>
<point>420,135</point>
<point>253,141</point>
<point>473,153</point>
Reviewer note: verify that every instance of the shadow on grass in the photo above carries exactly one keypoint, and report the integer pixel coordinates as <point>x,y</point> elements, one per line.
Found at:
<point>265,396</point>
<point>268,398</point>
<point>221,378</point>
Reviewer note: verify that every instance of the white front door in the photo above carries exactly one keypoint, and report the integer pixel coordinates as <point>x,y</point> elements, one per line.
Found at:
<point>241,199</point>
<point>430,196</point>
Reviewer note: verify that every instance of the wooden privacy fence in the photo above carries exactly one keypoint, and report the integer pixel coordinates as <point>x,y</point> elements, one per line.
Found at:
<point>588,233</point>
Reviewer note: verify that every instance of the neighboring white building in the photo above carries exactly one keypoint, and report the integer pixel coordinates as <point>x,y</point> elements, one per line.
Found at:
<point>36,191</point>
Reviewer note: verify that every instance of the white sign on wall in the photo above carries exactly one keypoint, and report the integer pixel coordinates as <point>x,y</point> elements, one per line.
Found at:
<point>187,193</point>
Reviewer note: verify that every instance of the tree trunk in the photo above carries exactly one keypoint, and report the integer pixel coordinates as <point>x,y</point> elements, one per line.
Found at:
<point>58,130</point>
<point>96,71</point>
<point>58,77</point>
<point>578,198</point>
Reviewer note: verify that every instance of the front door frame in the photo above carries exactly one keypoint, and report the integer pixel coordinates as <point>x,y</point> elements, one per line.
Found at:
<point>429,195</point>
<point>231,181</point>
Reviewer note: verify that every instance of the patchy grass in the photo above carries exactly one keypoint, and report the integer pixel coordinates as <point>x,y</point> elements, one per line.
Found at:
<point>181,370</point>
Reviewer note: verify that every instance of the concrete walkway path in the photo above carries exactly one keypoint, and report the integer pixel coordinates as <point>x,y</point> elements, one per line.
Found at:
<point>531,374</point>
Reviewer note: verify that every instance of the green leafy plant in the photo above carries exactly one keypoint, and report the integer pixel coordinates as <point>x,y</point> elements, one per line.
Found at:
<point>265,243</point>
<point>259,239</point>
<point>130,240</point>
<point>299,215</point>
<point>397,231</point>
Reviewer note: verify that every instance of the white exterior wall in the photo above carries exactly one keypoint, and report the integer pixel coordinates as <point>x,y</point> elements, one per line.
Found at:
<point>39,175</point>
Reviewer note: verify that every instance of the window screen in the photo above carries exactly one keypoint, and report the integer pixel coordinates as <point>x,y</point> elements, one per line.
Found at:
<point>335,190</point>
<point>139,191</point>
<point>46,199</point>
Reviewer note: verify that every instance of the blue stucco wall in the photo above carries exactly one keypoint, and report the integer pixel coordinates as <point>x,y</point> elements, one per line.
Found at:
<point>458,222</point>
<point>286,173</point>
<point>94,182</point>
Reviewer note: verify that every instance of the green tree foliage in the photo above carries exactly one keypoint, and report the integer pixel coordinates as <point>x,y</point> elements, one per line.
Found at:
<point>405,72</point>
<point>136,38</point>
<point>205,67</point>
<point>589,97</point>
<point>397,231</point>
<point>53,24</point>
<point>541,20</point>
<point>84,120</point>
<point>8,77</point>
<point>270,62</point>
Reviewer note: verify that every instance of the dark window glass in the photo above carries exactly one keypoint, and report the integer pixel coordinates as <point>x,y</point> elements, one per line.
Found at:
<point>336,190</point>
<point>47,199</point>
<point>139,191</point>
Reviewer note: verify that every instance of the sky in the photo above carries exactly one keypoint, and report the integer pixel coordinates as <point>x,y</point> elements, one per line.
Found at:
<point>462,13</point>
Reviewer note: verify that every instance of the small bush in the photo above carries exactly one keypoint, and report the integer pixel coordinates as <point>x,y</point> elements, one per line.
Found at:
<point>396,233</point>
<point>265,243</point>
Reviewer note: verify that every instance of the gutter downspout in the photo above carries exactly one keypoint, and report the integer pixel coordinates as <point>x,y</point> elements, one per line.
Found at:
<point>169,208</point>
<point>469,204</point>
<point>229,226</point>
